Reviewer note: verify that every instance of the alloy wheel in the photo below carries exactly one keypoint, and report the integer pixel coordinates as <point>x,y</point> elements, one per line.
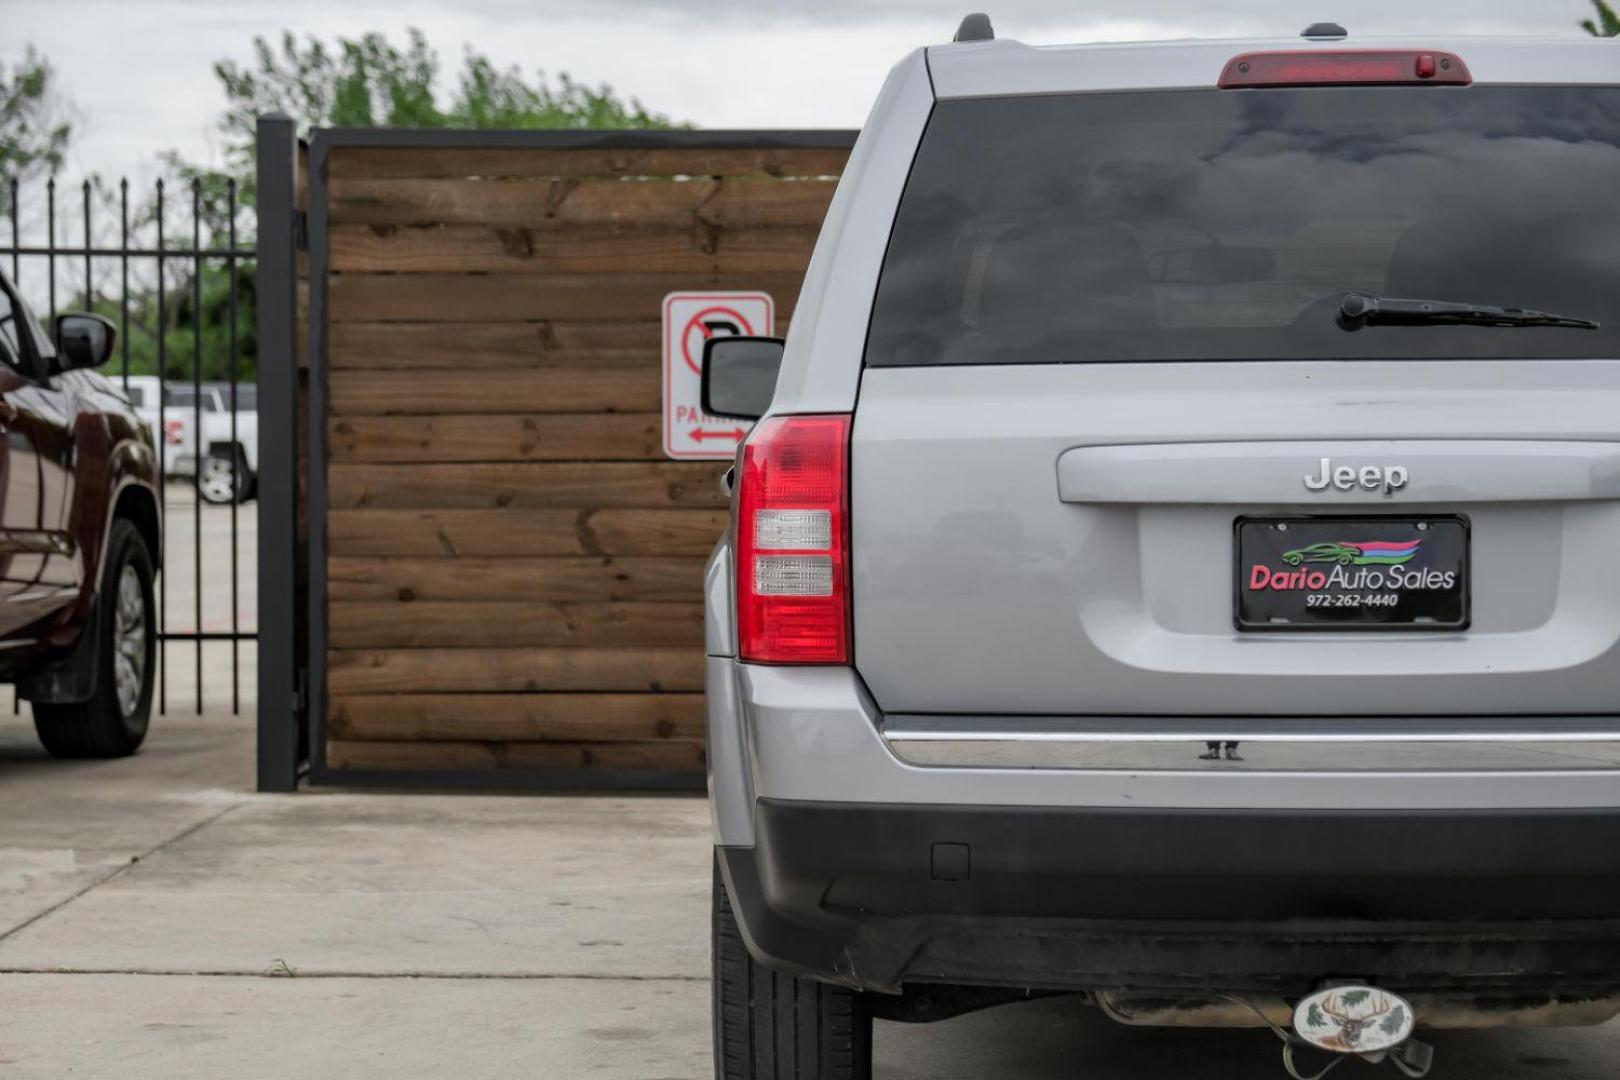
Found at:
<point>129,641</point>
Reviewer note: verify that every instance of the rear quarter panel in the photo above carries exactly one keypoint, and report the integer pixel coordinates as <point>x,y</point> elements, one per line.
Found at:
<point>821,370</point>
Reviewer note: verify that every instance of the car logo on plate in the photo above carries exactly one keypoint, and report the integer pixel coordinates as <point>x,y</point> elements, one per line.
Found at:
<point>1359,553</point>
<point>1354,1019</point>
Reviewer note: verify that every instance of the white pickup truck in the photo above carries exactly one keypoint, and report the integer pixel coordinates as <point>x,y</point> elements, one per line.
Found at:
<point>229,458</point>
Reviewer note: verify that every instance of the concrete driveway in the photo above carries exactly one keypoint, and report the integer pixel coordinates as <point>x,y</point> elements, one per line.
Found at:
<point>157,919</point>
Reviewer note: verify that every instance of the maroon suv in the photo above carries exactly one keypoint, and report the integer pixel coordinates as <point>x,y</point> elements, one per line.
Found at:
<point>80,536</point>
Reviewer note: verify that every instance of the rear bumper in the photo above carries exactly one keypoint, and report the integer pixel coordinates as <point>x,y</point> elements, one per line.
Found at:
<point>1451,866</point>
<point>878,895</point>
<point>814,735</point>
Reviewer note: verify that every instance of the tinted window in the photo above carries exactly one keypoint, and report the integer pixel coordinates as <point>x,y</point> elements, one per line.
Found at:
<point>1229,224</point>
<point>184,396</point>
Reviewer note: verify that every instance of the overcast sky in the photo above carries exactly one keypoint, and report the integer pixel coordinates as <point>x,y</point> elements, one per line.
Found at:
<point>139,70</point>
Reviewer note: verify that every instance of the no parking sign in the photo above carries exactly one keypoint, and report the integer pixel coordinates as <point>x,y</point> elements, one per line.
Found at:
<point>690,319</point>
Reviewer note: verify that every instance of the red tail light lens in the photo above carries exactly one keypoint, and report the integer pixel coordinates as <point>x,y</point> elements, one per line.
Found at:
<point>793,542</point>
<point>1346,67</point>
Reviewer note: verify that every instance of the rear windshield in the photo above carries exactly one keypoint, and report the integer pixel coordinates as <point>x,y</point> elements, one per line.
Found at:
<point>1210,225</point>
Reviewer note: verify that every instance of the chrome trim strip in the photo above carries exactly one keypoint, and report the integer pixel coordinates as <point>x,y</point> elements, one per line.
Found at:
<point>1240,748</point>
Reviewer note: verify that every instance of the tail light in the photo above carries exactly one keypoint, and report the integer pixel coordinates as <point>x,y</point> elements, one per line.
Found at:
<point>793,542</point>
<point>172,430</point>
<point>1346,67</point>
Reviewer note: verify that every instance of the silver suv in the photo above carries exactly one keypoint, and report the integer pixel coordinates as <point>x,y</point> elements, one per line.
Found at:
<point>1179,559</point>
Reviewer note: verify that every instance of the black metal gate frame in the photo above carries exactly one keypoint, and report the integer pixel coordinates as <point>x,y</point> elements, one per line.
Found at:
<point>231,255</point>
<point>299,676</point>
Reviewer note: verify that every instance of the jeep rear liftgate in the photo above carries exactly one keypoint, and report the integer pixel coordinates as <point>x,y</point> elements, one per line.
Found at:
<point>1247,403</point>
<point>1077,523</point>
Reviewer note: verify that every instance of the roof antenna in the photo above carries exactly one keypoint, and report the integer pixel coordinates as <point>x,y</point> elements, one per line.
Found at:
<point>1325,30</point>
<point>975,27</point>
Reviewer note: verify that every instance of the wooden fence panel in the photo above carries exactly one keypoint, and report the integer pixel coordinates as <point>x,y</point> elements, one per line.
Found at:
<point>488,163</point>
<point>502,485</point>
<point>436,297</point>
<point>513,569</point>
<point>562,205</point>
<point>480,249</point>
<point>450,345</point>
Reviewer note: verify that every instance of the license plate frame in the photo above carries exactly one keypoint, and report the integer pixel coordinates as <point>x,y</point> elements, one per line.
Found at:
<point>1371,581</point>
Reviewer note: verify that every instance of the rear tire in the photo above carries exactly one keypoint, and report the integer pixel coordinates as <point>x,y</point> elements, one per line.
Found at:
<point>113,722</point>
<point>772,1026</point>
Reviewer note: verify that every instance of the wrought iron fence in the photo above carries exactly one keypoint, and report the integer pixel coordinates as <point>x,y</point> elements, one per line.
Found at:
<point>179,314</point>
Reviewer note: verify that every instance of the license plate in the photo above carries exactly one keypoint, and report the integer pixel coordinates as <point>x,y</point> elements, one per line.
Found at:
<point>1352,573</point>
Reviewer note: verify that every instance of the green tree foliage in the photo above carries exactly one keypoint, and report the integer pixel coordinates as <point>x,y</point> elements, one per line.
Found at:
<point>34,125</point>
<point>1607,23</point>
<point>371,82</point>
<point>489,97</point>
<point>182,319</point>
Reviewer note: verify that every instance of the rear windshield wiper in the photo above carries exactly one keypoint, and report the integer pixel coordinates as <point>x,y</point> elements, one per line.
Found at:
<point>1356,311</point>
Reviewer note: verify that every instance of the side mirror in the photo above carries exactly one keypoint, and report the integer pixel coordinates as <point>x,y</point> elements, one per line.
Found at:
<point>83,340</point>
<point>739,375</point>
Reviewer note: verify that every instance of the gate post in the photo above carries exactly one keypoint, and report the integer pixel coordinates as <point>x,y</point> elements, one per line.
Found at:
<point>280,666</point>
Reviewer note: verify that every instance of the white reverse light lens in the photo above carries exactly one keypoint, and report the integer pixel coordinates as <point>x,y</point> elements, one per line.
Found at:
<point>793,575</point>
<point>797,530</point>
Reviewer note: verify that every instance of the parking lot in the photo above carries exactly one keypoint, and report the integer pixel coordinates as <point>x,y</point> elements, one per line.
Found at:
<point>157,919</point>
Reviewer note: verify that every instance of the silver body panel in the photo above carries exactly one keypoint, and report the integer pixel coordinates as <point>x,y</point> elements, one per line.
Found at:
<point>979,589</point>
<point>821,370</point>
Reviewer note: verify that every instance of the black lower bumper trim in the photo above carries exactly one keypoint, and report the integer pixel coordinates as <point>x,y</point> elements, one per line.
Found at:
<point>1064,898</point>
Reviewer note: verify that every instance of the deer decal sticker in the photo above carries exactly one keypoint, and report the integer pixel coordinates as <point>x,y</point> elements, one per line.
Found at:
<point>1354,1020</point>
